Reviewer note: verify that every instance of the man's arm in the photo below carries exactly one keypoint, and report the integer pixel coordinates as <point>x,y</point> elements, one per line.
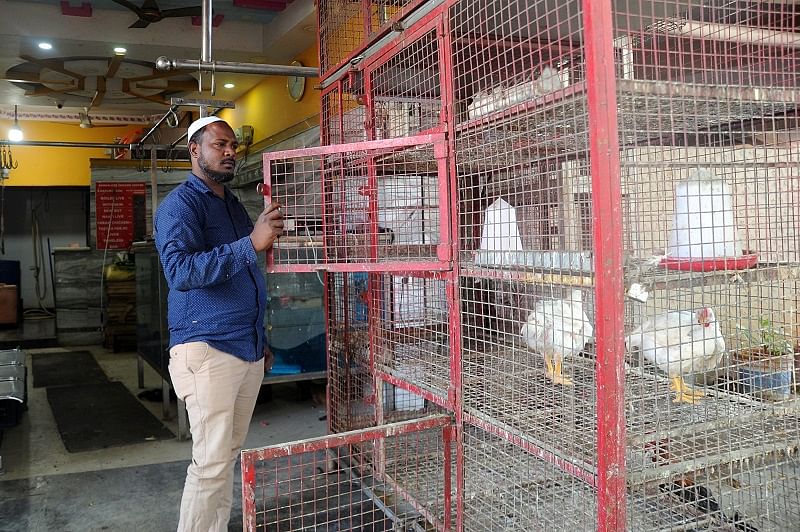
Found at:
<point>186,264</point>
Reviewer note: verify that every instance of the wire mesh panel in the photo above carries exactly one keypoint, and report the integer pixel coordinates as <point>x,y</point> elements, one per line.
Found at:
<point>347,26</point>
<point>708,199</point>
<point>620,331</point>
<point>359,207</point>
<point>528,365</point>
<point>351,385</point>
<point>344,111</point>
<point>709,174</point>
<point>412,337</point>
<point>509,487</point>
<point>393,477</point>
<point>526,242</point>
<point>405,86</point>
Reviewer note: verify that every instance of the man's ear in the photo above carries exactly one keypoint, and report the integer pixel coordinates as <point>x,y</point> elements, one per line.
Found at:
<point>193,147</point>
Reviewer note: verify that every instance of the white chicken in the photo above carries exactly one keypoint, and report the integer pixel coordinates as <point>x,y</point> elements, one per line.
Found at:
<point>679,343</point>
<point>556,329</point>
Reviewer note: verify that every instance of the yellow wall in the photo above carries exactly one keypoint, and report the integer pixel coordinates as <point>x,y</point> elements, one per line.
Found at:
<point>269,109</point>
<point>54,167</point>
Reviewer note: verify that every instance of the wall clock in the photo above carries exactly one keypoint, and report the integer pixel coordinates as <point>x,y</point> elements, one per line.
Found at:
<point>296,85</point>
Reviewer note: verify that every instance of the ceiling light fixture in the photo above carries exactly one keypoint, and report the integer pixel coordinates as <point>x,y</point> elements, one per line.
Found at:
<point>119,50</point>
<point>15,133</point>
<point>45,46</point>
<point>229,85</point>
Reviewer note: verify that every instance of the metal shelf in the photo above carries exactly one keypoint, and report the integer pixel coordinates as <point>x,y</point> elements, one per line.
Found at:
<point>556,124</point>
<point>507,389</point>
<point>651,276</point>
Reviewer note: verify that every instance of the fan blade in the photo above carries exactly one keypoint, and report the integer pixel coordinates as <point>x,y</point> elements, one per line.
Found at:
<point>183,12</point>
<point>53,64</point>
<point>139,24</point>
<point>113,65</point>
<point>130,6</point>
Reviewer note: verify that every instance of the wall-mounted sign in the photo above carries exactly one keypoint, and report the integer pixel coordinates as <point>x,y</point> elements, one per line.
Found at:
<point>120,213</point>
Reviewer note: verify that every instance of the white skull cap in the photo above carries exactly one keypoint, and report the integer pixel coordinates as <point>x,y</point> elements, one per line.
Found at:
<point>199,124</point>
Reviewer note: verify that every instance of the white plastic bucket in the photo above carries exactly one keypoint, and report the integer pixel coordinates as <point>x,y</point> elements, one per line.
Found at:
<point>703,225</point>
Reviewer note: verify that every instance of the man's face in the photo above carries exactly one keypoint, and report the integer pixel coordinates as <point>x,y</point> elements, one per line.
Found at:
<point>216,153</point>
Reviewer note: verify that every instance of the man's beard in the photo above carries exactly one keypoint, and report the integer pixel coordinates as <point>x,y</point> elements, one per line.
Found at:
<point>214,175</point>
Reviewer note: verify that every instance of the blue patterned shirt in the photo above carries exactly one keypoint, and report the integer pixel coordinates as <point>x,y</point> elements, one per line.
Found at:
<point>217,292</point>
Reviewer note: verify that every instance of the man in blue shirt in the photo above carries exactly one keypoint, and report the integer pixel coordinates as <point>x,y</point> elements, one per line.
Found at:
<point>216,305</point>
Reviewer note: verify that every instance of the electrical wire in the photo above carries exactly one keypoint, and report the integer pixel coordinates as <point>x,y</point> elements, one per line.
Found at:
<point>105,255</point>
<point>38,256</point>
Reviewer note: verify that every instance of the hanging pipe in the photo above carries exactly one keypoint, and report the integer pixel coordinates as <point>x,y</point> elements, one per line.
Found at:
<point>100,145</point>
<point>164,63</point>
<point>183,137</point>
<point>205,54</point>
<point>146,136</point>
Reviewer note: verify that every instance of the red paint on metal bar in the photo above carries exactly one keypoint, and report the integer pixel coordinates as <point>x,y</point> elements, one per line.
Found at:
<point>455,392</point>
<point>607,233</point>
<point>446,233</point>
<point>388,145</point>
<point>248,492</point>
<point>347,438</point>
<point>326,305</point>
<point>416,390</point>
<point>266,190</point>
<point>415,266</point>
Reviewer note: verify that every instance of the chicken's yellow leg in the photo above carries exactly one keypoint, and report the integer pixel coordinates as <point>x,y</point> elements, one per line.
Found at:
<point>684,394</point>
<point>549,371</point>
<point>559,378</point>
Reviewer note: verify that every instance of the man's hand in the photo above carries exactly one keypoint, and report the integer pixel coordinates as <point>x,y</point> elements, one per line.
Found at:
<point>269,359</point>
<point>267,227</point>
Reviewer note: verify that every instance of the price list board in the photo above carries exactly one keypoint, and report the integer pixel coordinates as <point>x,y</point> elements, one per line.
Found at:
<point>120,213</point>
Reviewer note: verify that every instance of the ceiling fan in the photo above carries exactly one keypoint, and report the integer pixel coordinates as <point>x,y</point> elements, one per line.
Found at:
<point>150,13</point>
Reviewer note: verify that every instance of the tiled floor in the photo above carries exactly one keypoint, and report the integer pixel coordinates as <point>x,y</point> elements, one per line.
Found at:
<point>135,487</point>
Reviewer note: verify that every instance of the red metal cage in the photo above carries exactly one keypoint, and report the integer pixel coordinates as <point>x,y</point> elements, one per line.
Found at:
<point>608,310</point>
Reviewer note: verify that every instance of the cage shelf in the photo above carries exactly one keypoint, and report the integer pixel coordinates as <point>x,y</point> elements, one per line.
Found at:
<point>555,125</point>
<point>660,278</point>
<point>503,483</point>
<point>507,388</point>
<point>643,272</point>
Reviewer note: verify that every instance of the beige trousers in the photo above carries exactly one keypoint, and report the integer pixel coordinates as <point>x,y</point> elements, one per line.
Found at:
<point>220,392</point>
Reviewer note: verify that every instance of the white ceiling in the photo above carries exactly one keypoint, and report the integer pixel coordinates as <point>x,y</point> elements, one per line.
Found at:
<point>245,35</point>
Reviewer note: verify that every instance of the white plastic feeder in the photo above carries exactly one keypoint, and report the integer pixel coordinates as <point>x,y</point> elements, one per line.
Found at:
<point>703,226</point>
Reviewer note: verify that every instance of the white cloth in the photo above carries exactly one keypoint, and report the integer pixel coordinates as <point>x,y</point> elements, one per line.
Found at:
<point>200,123</point>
